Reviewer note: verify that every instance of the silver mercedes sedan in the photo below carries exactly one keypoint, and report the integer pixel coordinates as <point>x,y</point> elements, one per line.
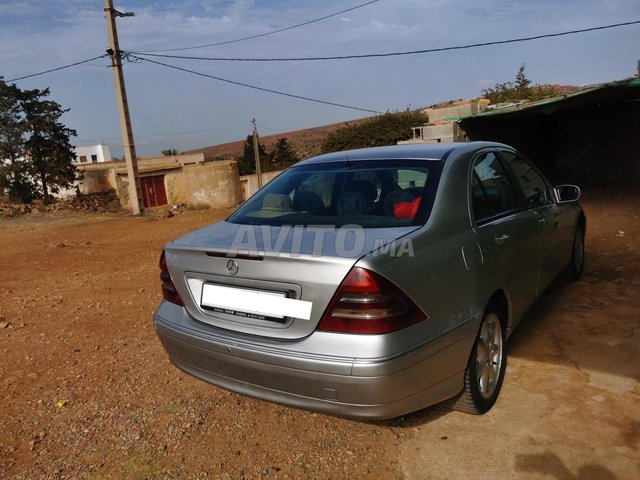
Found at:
<point>371,283</point>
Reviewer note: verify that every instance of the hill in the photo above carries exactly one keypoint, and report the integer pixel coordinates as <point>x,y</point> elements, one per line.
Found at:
<point>305,142</point>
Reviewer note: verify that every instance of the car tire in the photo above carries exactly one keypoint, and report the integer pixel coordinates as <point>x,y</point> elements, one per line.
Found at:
<point>573,271</point>
<point>486,367</point>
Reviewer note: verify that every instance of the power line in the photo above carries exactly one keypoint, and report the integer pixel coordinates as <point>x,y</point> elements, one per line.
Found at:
<point>56,69</point>
<point>266,33</point>
<point>270,128</point>
<point>268,90</point>
<point>392,54</point>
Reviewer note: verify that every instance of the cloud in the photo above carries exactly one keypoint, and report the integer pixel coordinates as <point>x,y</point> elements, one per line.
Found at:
<point>163,100</point>
<point>14,9</point>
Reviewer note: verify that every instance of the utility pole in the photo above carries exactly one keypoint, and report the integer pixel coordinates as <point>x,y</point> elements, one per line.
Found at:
<point>135,192</point>
<point>256,153</point>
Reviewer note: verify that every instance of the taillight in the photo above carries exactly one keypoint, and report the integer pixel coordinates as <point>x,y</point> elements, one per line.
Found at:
<point>369,303</point>
<point>169,291</point>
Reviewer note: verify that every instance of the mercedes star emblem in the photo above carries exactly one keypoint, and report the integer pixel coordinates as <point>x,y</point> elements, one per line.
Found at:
<point>232,267</point>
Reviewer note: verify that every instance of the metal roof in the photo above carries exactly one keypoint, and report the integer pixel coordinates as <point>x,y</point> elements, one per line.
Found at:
<point>618,91</point>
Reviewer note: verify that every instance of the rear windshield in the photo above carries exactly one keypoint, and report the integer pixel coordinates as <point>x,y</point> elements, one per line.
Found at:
<point>371,194</point>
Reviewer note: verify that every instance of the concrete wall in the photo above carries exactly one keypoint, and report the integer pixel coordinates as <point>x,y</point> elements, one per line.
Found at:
<point>446,132</point>
<point>175,187</point>
<point>122,189</point>
<point>187,179</point>
<point>203,185</point>
<point>212,185</point>
<point>180,159</point>
<point>249,183</point>
<point>94,181</point>
<point>442,127</point>
<point>462,109</point>
<point>94,178</point>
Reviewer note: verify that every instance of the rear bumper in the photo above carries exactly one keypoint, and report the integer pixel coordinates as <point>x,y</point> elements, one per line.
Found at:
<point>351,387</point>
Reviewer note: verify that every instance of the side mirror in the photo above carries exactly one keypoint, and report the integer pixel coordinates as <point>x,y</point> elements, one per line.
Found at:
<point>567,193</point>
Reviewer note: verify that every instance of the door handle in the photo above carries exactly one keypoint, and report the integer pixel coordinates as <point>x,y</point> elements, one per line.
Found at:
<point>542,220</point>
<point>501,239</point>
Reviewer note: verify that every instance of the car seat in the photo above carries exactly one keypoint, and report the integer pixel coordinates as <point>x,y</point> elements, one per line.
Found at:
<point>306,201</point>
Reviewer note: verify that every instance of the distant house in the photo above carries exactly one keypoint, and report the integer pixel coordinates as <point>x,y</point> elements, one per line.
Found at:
<point>167,180</point>
<point>92,154</point>
<point>443,126</point>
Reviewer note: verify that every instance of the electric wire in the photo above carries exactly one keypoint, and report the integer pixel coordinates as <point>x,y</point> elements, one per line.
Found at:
<point>391,54</point>
<point>268,90</point>
<point>57,68</point>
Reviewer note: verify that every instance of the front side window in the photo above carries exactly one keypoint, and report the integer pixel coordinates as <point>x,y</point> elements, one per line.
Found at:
<point>531,182</point>
<point>370,194</point>
<point>492,192</point>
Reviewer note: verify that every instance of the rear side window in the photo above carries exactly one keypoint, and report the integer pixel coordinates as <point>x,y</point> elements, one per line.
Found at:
<point>492,193</point>
<point>411,178</point>
<point>530,181</point>
<point>370,194</point>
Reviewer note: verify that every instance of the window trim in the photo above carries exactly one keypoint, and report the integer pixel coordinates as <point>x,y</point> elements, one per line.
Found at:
<point>501,215</point>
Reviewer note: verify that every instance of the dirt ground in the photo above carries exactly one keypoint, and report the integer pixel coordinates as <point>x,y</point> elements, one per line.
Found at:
<point>88,392</point>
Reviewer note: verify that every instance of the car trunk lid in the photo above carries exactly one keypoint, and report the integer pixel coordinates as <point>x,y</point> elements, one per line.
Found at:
<point>231,276</point>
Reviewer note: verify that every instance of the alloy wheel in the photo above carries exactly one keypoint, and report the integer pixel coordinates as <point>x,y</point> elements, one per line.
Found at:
<point>489,355</point>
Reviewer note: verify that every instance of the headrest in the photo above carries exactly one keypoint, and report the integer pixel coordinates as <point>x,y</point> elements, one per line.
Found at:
<point>353,203</point>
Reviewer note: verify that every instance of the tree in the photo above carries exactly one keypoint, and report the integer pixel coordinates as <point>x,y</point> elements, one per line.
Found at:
<point>12,131</point>
<point>169,152</point>
<point>385,129</point>
<point>246,162</point>
<point>36,156</point>
<point>48,151</point>
<point>282,156</point>
<point>519,90</point>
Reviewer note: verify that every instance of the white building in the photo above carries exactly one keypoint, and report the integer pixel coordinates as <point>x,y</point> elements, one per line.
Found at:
<point>92,154</point>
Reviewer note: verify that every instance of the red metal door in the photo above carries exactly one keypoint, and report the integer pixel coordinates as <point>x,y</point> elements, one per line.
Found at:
<point>153,192</point>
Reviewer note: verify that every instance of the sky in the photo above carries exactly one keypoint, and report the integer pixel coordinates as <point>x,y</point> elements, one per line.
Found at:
<point>174,109</point>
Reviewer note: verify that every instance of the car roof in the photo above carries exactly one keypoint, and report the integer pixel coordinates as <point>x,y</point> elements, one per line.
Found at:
<point>426,151</point>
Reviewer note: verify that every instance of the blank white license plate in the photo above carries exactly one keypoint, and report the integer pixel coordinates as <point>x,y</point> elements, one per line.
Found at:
<point>248,303</point>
